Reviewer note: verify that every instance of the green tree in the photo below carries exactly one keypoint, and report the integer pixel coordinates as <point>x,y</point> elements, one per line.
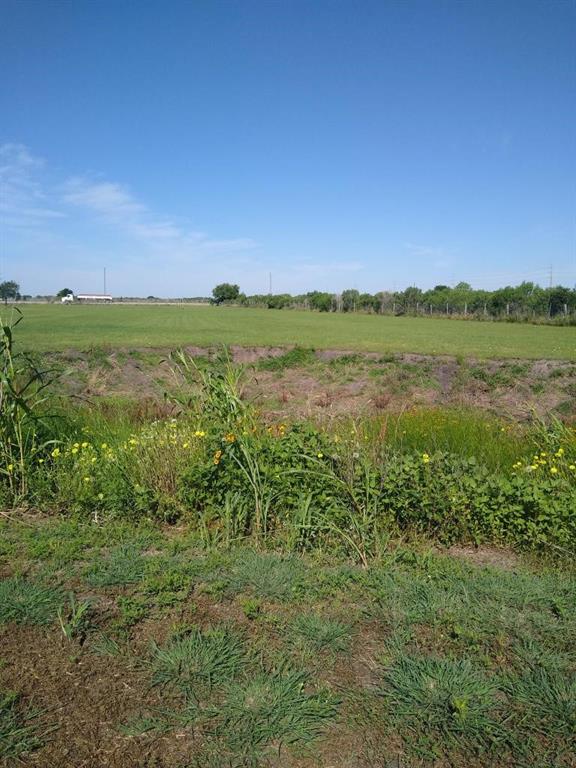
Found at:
<point>225,292</point>
<point>321,301</point>
<point>64,292</point>
<point>9,290</point>
<point>350,300</point>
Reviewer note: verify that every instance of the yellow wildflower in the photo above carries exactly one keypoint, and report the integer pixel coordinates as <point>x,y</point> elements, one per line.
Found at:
<point>10,467</point>
<point>425,458</point>
<point>320,455</point>
<point>74,450</point>
<point>230,437</point>
<point>55,453</point>
<point>185,445</point>
<point>553,470</point>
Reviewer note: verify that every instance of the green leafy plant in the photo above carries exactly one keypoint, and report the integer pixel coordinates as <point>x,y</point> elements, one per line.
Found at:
<point>75,621</point>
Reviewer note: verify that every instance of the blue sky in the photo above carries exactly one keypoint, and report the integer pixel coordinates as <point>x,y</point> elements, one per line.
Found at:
<point>368,144</point>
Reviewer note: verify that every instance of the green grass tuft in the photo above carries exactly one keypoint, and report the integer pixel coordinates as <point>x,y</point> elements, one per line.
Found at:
<point>272,709</point>
<point>268,575</point>
<point>19,733</point>
<point>27,602</point>
<point>198,660</point>
<point>293,358</point>
<point>439,704</point>
<point>545,702</point>
<point>322,633</point>
<point>122,565</point>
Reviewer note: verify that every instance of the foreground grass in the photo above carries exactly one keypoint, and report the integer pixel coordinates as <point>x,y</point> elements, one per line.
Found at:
<point>244,657</point>
<point>55,327</point>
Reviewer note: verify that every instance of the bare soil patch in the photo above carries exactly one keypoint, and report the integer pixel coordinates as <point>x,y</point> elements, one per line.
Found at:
<point>338,382</point>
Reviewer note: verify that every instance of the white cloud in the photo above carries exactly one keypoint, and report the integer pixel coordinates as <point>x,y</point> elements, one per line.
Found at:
<point>61,231</point>
<point>23,202</point>
<point>114,204</point>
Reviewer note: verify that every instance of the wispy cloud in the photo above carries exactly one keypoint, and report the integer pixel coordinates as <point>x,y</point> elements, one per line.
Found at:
<point>62,228</point>
<point>23,202</point>
<point>114,204</point>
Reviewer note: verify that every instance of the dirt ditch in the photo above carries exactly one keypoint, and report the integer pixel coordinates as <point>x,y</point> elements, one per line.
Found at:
<point>336,382</point>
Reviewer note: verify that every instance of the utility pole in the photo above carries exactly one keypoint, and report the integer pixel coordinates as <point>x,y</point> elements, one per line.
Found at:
<point>104,281</point>
<point>270,283</point>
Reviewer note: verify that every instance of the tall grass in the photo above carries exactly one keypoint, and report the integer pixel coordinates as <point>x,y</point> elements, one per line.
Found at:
<point>23,423</point>
<point>495,442</point>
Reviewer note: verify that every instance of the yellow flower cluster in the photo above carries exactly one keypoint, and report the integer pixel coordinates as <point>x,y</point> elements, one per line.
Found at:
<point>276,430</point>
<point>552,463</point>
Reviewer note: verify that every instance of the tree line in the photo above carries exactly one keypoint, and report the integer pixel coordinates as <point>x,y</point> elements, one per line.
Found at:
<point>526,301</point>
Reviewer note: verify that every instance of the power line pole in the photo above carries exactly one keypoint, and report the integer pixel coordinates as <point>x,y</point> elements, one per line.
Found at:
<point>270,283</point>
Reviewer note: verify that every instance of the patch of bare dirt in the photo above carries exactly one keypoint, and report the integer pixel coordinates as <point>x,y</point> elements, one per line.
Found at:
<point>341,382</point>
<point>85,698</point>
<point>486,557</point>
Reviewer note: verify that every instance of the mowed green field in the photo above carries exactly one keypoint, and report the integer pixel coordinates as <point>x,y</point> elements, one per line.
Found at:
<point>57,327</point>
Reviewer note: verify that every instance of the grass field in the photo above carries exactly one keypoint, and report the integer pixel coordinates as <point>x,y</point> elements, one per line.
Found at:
<point>198,580</point>
<point>130,647</point>
<point>55,327</point>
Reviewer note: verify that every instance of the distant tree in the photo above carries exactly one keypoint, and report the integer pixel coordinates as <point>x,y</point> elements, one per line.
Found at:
<point>559,297</point>
<point>410,298</point>
<point>350,300</point>
<point>225,292</point>
<point>278,301</point>
<point>383,301</point>
<point>9,290</point>
<point>321,301</point>
<point>64,292</point>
